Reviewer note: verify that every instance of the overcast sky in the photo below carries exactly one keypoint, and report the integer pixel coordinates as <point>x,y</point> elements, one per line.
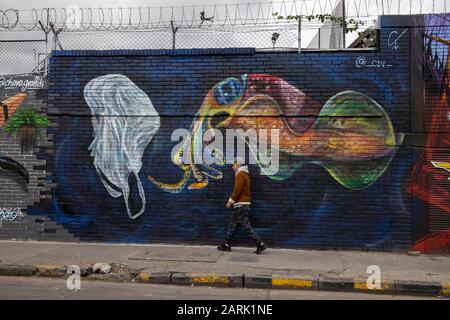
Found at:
<point>25,4</point>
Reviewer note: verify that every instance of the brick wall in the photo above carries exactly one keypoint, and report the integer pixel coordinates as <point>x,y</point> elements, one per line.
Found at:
<point>352,197</point>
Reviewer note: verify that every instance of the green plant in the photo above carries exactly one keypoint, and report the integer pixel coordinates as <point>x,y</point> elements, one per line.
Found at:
<point>26,116</point>
<point>347,25</point>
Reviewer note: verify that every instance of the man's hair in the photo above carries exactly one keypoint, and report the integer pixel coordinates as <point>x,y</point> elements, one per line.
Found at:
<point>239,160</point>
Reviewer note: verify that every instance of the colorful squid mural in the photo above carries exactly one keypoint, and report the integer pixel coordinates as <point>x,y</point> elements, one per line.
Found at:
<point>343,136</point>
<point>350,174</point>
<point>350,136</point>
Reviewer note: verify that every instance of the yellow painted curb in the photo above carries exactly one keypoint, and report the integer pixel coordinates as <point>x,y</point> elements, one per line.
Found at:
<point>292,283</point>
<point>210,279</point>
<point>362,285</point>
<point>144,277</point>
<point>445,291</point>
<point>50,267</point>
<point>50,270</point>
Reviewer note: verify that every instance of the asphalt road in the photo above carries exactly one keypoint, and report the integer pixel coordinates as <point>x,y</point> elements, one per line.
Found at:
<point>48,288</point>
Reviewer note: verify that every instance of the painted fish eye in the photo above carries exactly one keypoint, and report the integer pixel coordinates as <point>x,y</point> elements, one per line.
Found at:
<point>228,91</point>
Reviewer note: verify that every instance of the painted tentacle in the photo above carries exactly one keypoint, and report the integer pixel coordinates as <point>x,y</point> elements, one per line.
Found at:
<point>185,157</point>
<point>172,187</point>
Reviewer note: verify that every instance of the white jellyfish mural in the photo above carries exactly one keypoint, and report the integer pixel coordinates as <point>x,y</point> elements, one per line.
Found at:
<point>124,123</point>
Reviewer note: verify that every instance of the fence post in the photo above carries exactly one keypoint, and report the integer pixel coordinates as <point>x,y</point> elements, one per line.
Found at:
<point>319,39</point>
<point>174,31</point>
<point>300,34</point>
<point>344,30</point>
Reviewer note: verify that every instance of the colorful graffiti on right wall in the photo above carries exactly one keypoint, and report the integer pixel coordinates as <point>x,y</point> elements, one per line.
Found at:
<point>430,177</point>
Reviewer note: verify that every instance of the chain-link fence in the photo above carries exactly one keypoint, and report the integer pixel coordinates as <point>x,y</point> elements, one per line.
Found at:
<point>20,56</point>
<point>23,56</point>
<point>164,38</point>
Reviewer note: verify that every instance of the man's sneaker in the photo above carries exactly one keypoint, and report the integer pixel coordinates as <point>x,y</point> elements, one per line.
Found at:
<point>260,248</point>
<point>224,247</point>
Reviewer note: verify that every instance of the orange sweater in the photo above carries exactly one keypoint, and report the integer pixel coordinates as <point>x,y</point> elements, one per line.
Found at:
<point>241,190</point>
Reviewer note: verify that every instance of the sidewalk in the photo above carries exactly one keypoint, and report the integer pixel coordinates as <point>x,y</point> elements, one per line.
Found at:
<point>204,265</point>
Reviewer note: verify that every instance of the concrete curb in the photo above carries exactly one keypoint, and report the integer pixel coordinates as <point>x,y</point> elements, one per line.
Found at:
<point>17,270</point>
<point>258,281</point>
<point>336,284</point>
<point>418,288</point>
<point>262,281</point>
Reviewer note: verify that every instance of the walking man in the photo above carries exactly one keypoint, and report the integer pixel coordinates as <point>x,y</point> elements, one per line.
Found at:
<point>240,200</point>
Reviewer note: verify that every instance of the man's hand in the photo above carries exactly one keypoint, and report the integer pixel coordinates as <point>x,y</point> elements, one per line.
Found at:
<point>228,205</point>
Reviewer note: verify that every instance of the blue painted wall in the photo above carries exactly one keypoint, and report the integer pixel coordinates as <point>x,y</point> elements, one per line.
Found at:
<point>308,210</point>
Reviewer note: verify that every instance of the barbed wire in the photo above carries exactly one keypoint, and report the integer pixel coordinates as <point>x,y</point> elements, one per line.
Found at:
<point>29,36</point>
<point>141,18</point>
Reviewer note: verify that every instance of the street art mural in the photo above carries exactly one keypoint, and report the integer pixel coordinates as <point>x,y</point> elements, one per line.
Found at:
<point>21,122</point>
<point>340,145</point>
<point>349,176</point>
<point>22,141</point>
<point>351,136</point>
<point>430,176</point>
<point>25,125</point>
<point>10,106</point>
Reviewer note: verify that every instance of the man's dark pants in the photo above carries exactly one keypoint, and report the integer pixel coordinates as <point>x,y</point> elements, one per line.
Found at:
<point>240,217</point>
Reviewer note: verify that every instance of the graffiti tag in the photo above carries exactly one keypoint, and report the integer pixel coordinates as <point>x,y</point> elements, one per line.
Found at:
<point>393,39</point>
<point>9,214</point>
<point>361,62</point>
<point>22,83</point>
